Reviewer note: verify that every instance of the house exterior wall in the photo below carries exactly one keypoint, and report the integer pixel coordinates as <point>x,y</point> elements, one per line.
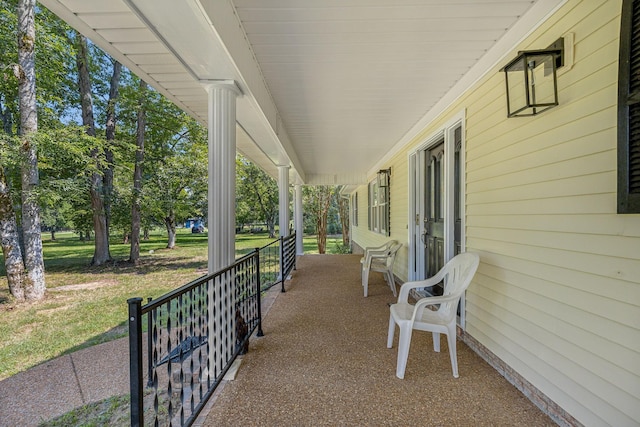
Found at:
<point>557,294</point>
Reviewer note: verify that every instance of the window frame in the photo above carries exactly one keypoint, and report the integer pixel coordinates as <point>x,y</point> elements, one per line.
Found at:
<point>379,211</point>
<point>628,99</point>
<point>354,209</point>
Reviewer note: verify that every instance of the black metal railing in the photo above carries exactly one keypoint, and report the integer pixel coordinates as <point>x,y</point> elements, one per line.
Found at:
<point>269,264</point>
<point>287,256</point>
<point>194,335</point>
<point>277,259</point>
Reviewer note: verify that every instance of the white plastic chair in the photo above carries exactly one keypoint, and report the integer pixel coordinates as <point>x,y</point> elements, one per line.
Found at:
<point>435,314</point>
<point>380,259</point>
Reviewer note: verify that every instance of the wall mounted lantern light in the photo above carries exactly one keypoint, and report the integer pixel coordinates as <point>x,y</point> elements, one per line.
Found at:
<point>384,176</point>
<point>532,81</point>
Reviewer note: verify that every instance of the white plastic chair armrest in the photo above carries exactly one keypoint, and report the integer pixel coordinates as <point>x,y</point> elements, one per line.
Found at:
<point>403,296</point>
<point>375,253</point>
<point>426,301</point>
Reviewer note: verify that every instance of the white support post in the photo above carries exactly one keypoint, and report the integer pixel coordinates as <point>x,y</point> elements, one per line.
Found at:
<point>283,190</point>
<point>221,218</point>
<point>298,220</point>
<point>222,173</point>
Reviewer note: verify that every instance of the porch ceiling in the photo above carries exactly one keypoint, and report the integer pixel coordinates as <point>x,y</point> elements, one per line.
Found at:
<point>330,87</point>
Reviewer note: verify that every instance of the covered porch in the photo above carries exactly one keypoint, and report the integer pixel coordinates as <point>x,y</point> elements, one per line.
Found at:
<point>323,361</point>
<point>362,94</point>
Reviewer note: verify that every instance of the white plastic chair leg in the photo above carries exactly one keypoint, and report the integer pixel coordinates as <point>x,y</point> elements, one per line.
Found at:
<point>404,342</point>
<point>436,341</point>
<point>451,341</point>
<point>392,330</point>
<point>365,280</point>
<point>391,282</point>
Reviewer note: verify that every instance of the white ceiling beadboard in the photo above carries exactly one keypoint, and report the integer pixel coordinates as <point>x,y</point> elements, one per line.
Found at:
<point>330,87</point>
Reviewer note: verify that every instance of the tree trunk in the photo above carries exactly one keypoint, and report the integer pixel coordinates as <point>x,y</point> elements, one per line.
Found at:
<point>101,252</point>
<point>343,206</point>
<point>324,202</point>
<point>33,260</point>
<point>145,232</point>
<point>9,240</point>
<point>271,225</point>
<point>134,253</point>
<point>53,234</point>
<point>321,238</point>
<point>110,133</point>
<point>170,223</point>
<point>7,119</point>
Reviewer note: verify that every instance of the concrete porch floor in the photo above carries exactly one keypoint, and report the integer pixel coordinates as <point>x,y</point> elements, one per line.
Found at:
<point>323,362</point>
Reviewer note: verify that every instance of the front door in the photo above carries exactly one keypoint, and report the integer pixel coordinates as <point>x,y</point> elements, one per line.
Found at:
<point>437,213</point>
<point>433,236</point>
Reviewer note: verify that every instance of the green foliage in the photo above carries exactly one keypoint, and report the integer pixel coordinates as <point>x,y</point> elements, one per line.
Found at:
<point>257,196</point>
<point>54,65</point>
<point>341,248</point>
<point>175,164</point>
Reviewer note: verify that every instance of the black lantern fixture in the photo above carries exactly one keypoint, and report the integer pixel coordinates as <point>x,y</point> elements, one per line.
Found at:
<point>532,81</point>
<point>384,176</point>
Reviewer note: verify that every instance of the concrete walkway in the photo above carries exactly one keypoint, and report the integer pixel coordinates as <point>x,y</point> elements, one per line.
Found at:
<point>57,386</point>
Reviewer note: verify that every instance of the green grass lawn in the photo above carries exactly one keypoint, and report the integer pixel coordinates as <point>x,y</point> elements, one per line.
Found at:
<point>87,305</point>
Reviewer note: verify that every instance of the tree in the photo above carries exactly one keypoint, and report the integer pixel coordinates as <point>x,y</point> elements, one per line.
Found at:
<point>174,179</point>
<point>101,252</point>
<point>18,98</point>
<point>34,286</point>
<point>318,201</point>
<point>134,253</point>
<point>10,243</point>
<point>110,134</point>
<point>343,209</point>
<point>256,192</point>
<point>9,237</point>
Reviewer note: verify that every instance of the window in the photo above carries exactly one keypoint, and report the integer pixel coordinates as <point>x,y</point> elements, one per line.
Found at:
<point>629,110</point>
<point>354,209</point>
<point>379,208</point>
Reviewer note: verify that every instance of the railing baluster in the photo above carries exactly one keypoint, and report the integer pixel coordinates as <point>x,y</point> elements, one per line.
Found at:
<point>256,268</point>
<point>135,361</point>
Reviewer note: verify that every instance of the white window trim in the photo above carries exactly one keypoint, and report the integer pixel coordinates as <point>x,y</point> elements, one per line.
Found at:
<point>379,215</point>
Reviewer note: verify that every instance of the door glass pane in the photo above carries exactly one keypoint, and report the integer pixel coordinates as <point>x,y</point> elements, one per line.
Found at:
<point>432,188</point>
<point>440,194</point>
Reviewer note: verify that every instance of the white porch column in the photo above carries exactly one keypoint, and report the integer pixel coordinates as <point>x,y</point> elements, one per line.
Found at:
<point>222,215</point>
<point>222,172</point>
<point>298,219</point>
<point>283,190</point>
